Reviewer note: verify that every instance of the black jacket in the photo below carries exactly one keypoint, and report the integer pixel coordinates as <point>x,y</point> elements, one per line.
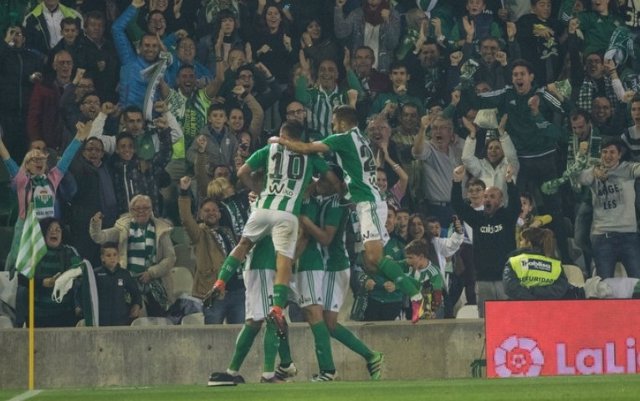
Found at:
<point>494,237</point>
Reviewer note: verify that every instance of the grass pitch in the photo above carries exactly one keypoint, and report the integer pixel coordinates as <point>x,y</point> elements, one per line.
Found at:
<point>580,388</point>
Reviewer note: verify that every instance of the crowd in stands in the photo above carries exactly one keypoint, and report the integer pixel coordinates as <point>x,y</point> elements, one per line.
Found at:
<point>123,123</point>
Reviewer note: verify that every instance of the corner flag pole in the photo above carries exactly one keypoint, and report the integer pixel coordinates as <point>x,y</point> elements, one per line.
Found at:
<point>31,333</point>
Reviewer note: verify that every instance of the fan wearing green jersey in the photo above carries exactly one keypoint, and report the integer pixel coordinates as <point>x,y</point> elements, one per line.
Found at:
<point>356,159</point>
<point>287,174</point>
<point>332,283</point>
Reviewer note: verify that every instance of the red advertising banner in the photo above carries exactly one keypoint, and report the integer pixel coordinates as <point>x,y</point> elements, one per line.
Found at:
<point>548,338</point>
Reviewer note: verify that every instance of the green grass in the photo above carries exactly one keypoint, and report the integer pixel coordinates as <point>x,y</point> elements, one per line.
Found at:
<point>582,388</point>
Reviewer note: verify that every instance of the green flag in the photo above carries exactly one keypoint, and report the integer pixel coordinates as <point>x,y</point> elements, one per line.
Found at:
<point>32,246</point>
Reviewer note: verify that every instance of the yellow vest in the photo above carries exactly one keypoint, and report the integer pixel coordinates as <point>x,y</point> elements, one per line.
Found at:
<point>535,270</point>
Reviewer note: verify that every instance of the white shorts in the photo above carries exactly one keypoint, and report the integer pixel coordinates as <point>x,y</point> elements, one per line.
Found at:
<point>309,287</point>
<point>372,217</point>
<point>335,287</point>
<point>259,293</point>
<point>282,226</point>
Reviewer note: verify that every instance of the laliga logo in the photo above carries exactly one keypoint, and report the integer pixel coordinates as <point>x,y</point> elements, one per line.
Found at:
<point>518,357</point>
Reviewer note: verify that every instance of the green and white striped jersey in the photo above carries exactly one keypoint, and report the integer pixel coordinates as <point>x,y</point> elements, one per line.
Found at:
<point>332,213</point>
<point>262,256</point>
<point>311,257</point>
<point>287,175</point>
<point>355,156</point>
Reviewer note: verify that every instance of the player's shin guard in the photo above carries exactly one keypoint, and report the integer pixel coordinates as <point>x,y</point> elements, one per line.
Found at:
<point>271,344</point>
<point>322,341</point>
<point>243,345</point>
<point>351,341</point>
<point>280,295</point>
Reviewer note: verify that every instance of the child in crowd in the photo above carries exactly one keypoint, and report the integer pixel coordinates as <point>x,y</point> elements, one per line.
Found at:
<point>528,217</point>
<point>119,298</point>
<point>428,275</point>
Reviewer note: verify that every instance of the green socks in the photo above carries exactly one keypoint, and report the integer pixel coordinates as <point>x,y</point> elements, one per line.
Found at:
<point>228,269</point>
<point>322,340</point>
<point>280,295</point>
<point>243,344</point>
<point>271,345</point>
<point>394,272</point>
<point>351,341</point>
<point>285,352</point>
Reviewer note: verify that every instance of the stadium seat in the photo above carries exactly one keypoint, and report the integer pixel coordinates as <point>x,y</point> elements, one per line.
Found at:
<point>574,275</point>
<point>179,236</point>
<point>5,322</point>
<point>181,281</point>
<point>152,321</point>
<point>620,271</point>
<point>184,256</point>
<point>193,319</point>
<point>468,312</point>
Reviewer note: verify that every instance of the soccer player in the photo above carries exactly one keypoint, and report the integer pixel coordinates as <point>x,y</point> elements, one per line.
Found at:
<point>287,175</point>
<point>331,285</point>
<point>259,273</point>
<point>358,163</point>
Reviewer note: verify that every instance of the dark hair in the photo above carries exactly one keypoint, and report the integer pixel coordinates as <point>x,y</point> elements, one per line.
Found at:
<point>154,12</point>
<point>86,95</point>
<point>367,48</point>
<point>206,200</point>
<point>132,109</point>
<point>293,129</point>
<point>474,181</point>
<point>98,15</point>
<point>347,114</point>
<point>581,113</point>
<point>47,222</point>
<point>337,170</point>
<point>185,67</point>
<point>396,65</point>
<point>124,135</point>
<point>216,107</point>
<point>109,245</point>
<point>245,67</point>
<point>418,247</point>
<point>522,63</point>
<point>617,142</point>
<point>70,21</point>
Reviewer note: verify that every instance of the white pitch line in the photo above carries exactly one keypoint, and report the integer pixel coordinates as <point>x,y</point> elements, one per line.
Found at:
<point>26,395</point>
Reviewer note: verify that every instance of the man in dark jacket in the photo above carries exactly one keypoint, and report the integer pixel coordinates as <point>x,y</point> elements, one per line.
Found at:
<point>17,64</point>
<point>42,24</point>
<point>494,234</point>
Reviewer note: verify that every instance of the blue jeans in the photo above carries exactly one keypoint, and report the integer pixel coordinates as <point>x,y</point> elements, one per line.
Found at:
<point>230,307</point>
<point>581,233</point>
<point>610,248</point>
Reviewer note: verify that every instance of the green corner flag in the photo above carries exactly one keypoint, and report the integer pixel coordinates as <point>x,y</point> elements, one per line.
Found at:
<point>32,246</point>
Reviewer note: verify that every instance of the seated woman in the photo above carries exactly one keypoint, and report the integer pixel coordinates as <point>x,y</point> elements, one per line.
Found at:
<point>58,259</point>
<point>145,248</point>
<point>532,271</point>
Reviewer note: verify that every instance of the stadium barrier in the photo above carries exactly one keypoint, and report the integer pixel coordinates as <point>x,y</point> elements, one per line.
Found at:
<point>146,356</point>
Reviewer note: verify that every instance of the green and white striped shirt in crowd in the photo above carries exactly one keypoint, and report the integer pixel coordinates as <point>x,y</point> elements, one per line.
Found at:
<point>141,247</point>
<point>355,157</point>
<point>321,103</point>
<point>287,175</point>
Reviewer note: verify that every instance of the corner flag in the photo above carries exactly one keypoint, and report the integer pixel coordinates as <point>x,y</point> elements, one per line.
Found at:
<point>32,246</point>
